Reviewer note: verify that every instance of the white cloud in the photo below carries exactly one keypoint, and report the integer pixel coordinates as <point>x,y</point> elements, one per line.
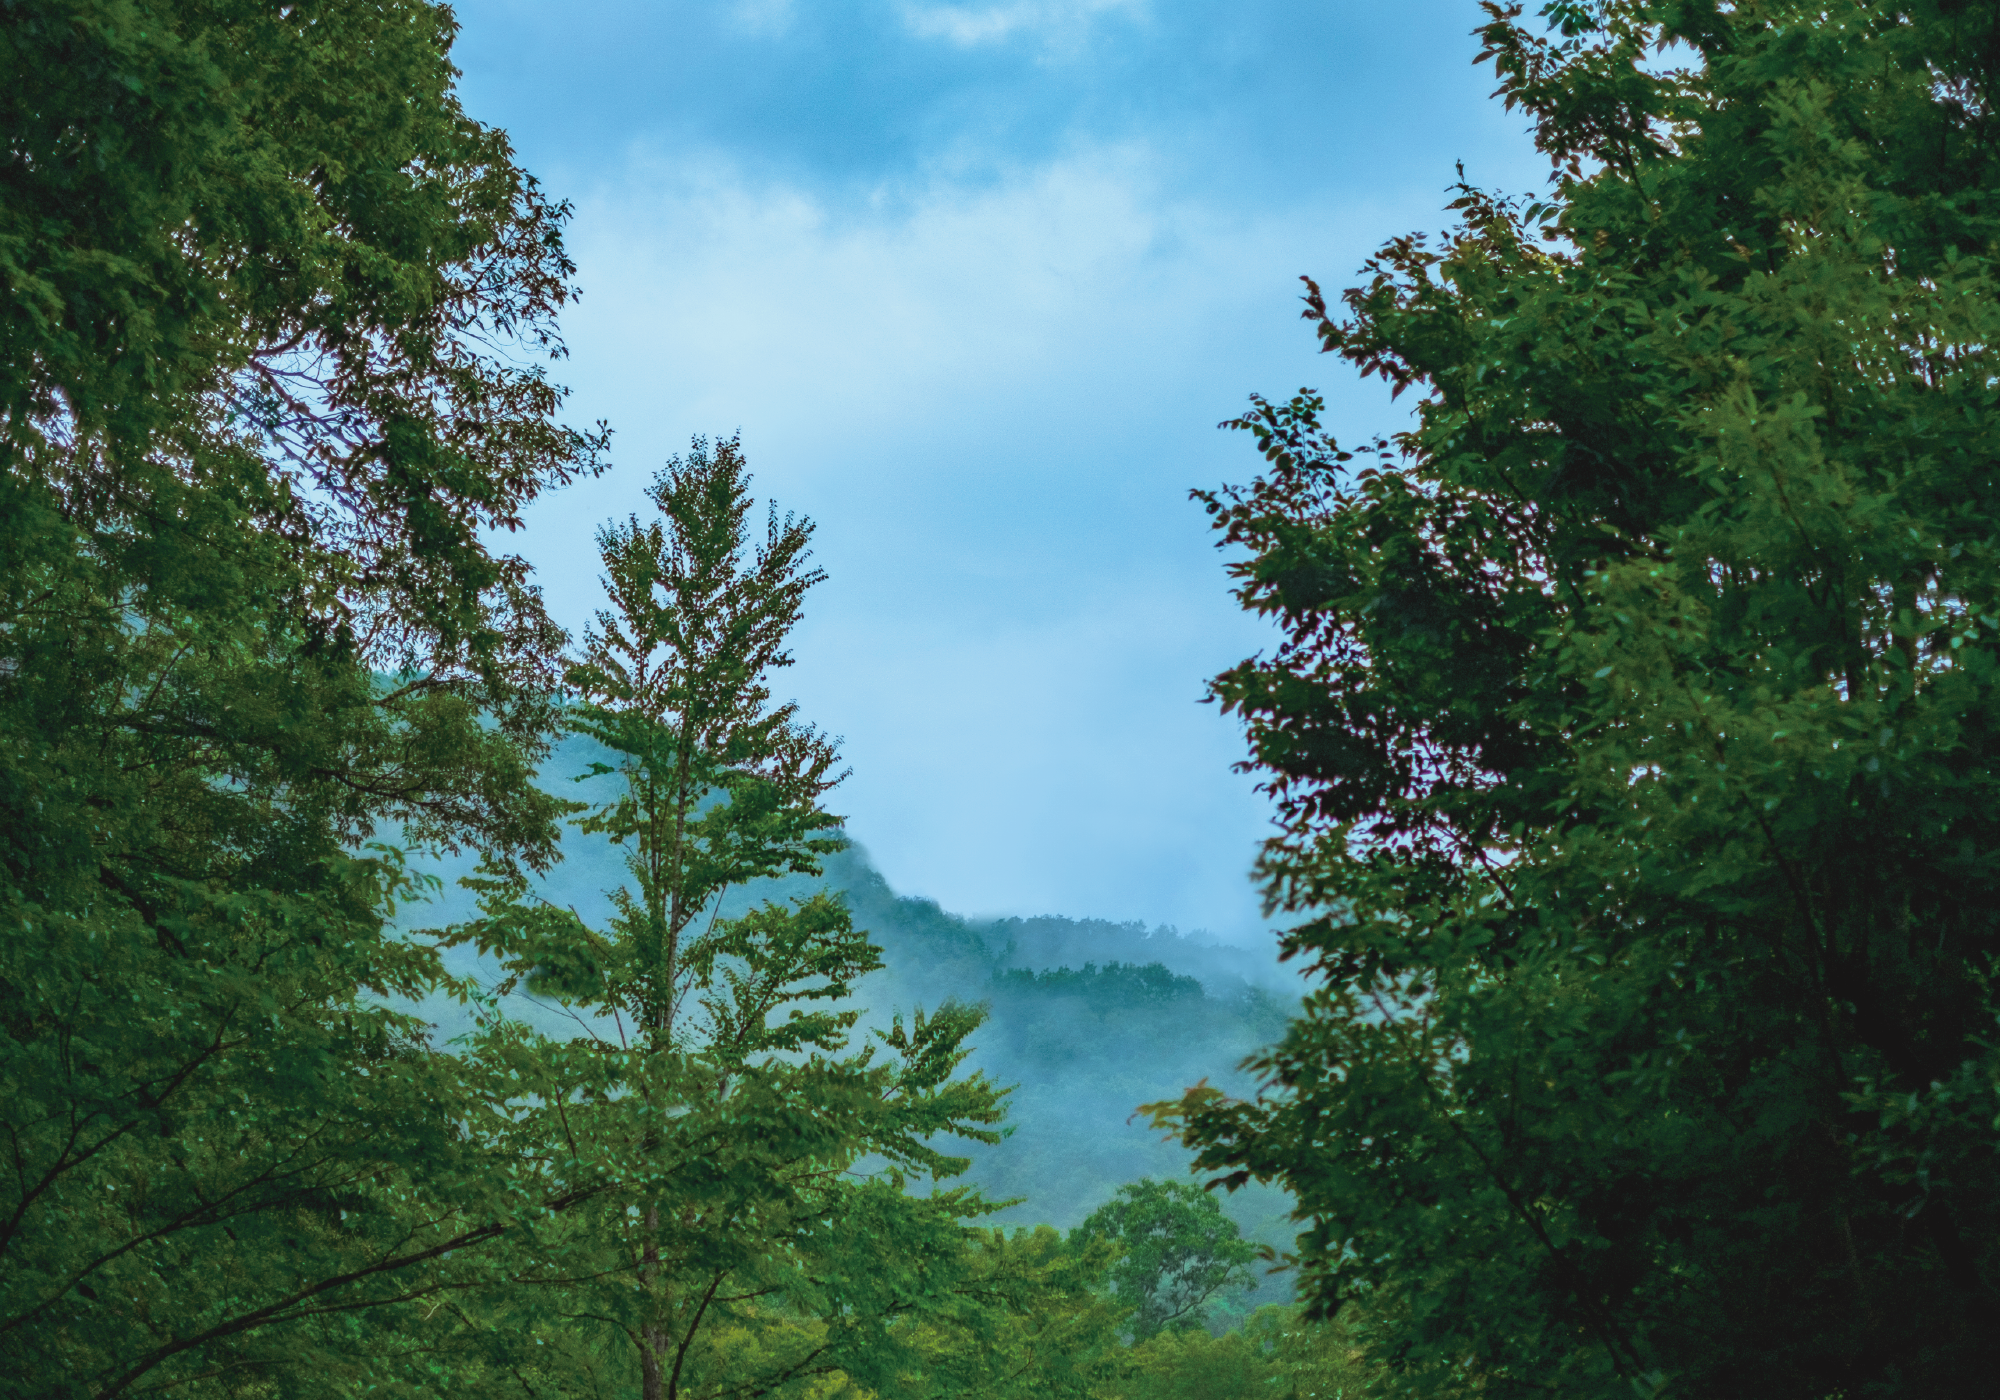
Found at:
<point>769,19</point>
<point>871,311</point>
<point>1058,22</point>
<point>956,302</point>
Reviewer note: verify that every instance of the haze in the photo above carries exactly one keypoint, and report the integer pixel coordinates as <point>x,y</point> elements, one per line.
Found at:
<point>976,282</point>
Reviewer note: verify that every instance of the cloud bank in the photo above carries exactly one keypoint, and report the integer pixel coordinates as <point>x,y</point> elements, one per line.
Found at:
<point>1053,21</point>
<point>978,312</point>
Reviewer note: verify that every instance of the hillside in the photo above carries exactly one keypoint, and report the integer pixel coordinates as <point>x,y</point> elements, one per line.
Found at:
<point>1088,1019</point>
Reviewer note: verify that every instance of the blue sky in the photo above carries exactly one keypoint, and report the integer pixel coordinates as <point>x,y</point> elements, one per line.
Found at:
<point>976,282</point>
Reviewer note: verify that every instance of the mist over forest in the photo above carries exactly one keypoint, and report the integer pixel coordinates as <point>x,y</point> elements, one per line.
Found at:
<point>1089,1017</point>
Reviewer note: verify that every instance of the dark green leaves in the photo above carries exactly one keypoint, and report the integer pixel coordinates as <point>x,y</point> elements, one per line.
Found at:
<point>265,285</point>
<point>1178,1252</point>
<point>1632,735</point>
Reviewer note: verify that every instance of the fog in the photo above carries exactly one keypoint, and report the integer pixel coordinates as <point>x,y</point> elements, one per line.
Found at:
<point>1089,1017</point>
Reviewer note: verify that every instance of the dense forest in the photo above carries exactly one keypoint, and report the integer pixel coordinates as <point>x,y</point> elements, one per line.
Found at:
<point>401,997</point>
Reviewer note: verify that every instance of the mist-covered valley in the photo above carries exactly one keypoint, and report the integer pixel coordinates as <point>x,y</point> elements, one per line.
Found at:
<point>1087,1018</point>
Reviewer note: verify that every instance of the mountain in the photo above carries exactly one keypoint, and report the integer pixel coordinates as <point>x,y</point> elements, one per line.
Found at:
<point>1089,1018</point>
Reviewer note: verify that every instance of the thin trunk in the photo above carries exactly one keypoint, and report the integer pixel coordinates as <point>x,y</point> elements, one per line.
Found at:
<point>663,908</point>
<point>1903,601</point>
<point>671,934</point>
<point>652,1334</point>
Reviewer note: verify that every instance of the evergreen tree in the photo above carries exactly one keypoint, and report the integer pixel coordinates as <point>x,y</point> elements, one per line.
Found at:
<point>1634,731</point>
<point>722,787</point>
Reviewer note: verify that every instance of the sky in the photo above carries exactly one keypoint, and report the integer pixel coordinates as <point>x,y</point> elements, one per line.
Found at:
<point>976,283</point>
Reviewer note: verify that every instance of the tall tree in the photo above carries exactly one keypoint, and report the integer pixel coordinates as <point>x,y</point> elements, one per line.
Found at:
<point>1634,731</point>
<point>261,398</point>
<point>722,787</point>
<point>746,1246</point>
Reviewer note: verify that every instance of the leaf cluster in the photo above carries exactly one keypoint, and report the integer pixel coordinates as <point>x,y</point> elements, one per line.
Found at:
<point>1632,731</point>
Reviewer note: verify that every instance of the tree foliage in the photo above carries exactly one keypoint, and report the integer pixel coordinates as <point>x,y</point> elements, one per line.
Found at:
<point>722,787</point>
<point>1178,1252</point>
<point>1276,1355</point>
<point>1633,731</point>
<point>749,1230</point>
<point>262,393</point>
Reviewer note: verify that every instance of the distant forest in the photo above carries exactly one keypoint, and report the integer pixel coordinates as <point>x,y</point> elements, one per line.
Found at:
<point>1089,1019</point>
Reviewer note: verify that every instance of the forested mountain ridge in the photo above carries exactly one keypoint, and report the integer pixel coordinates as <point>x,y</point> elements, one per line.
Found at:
<point>1088,1018</point>
<point>1087,1032</point>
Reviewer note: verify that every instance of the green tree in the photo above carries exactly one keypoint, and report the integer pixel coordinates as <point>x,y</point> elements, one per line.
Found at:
<point>261,396</point>
<point>1633,732</point>
<point>722,787</point>
<point>1276,1355</point>
<point>1311,1360</point>
<point>1025,1315</point>
<point>755,1235</point>
<point>1178,1252</point>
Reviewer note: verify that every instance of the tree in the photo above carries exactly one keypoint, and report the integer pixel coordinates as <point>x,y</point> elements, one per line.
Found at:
<point>753,1233</point>
<point>1275,1355</point>
<point>1178,1252</point>
<point>261,395</point>
<point>1633,732</point>
<point>260,261</point>
<point>1025,1316</point>
<point>722,787</point>
<point>1310,1360</point>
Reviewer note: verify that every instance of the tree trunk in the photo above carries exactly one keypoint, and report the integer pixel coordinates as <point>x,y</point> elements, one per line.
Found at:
<point>652,1336</point>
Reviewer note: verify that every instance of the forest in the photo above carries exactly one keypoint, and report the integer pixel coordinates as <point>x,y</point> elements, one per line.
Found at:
<point>403,997</point>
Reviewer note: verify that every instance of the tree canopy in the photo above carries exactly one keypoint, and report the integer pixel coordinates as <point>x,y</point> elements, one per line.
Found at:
<point>1178,1251</point>
<point>1633,731</point>
<point>271,367</point>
